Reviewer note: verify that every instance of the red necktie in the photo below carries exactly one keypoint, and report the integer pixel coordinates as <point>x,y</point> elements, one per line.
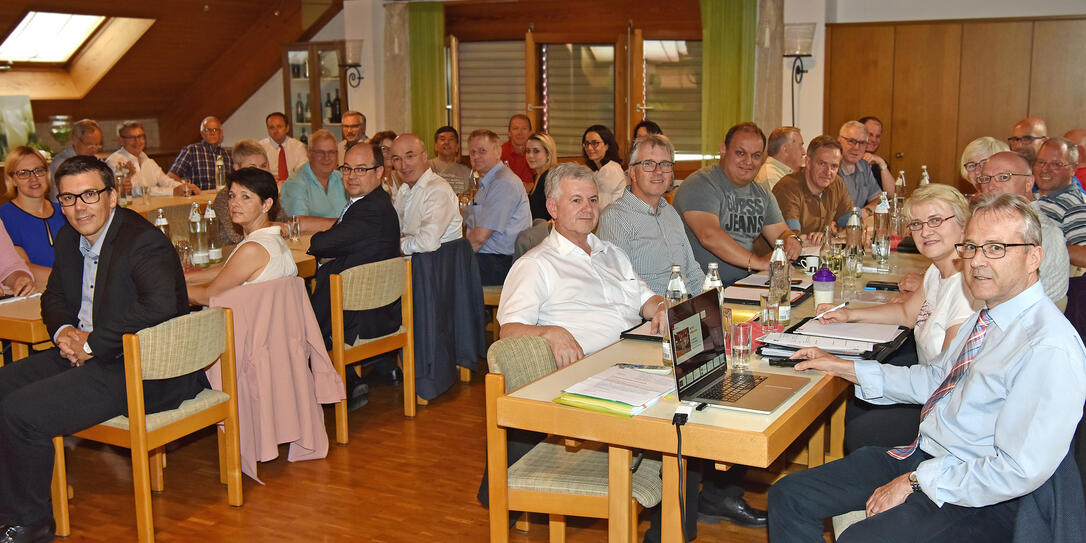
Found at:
<point>282,175</point>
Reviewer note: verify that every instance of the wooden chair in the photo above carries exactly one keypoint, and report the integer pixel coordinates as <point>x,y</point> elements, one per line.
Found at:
<point>370,286</point>
<point>176,347</point>
<point>551,478</point>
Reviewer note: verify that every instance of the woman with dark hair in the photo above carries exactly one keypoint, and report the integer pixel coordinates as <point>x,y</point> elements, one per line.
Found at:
<point>601,156</point>
<point>262,255</point>
<point>645,128</point>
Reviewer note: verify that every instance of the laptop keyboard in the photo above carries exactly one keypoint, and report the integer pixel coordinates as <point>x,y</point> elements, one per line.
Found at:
<point>733,387</point>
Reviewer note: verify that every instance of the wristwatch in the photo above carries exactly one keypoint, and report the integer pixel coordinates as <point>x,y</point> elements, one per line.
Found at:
<point>87,349</point>
<point>913,482</point>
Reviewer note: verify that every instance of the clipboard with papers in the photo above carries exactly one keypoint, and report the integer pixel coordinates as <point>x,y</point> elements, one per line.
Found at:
<point>851,341</point>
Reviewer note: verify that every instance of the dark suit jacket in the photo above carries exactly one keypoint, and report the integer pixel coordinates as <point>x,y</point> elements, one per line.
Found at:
<point>139,284</point>
<point>369,232</point>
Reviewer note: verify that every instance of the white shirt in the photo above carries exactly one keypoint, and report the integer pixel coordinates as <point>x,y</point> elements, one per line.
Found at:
<point>297,155</point>
<point>611,183</point>
<point>947,303</point>
<point>594,297</point>
<point>147,173</point>
<point>429,214</point>
<point>342,147</point>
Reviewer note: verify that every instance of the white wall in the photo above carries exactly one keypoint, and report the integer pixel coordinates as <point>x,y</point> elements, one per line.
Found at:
<point>810,94</point>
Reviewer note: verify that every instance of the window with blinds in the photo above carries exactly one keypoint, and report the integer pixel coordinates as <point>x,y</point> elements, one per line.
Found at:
<point>578,91</point>
<point>491,85</point>
<point>673,92</point>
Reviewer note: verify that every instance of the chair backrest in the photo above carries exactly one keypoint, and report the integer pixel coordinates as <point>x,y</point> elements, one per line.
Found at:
<point>530,237</point>
<point>521,360</point>
<point>183,344</point>
<point>373,285</point>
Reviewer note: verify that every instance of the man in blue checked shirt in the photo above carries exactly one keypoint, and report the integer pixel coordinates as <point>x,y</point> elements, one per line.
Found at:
<point>1000,409</point>
<point>196,161</point>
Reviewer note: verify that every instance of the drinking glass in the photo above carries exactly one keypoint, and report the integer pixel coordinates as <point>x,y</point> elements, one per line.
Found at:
<point>771,305</point>
<point>852,269</point>
<point>742,338</point>
<point>295,228</point>
<point>184,254</point>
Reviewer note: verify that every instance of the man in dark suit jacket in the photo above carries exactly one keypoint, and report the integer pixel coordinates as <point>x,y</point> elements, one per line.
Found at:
<point>114,274</point>
<point>367,231</point>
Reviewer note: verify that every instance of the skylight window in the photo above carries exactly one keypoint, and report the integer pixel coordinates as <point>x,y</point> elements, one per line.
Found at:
<point>48,37</point>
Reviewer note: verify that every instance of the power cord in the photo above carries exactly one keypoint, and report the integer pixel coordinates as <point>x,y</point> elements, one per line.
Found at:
<point>682,414</point>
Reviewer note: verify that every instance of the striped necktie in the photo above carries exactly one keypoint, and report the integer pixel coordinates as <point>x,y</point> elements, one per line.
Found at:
<point>969,353</point>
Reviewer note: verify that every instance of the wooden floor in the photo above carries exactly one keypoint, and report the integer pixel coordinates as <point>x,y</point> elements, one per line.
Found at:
<point>399,480</point>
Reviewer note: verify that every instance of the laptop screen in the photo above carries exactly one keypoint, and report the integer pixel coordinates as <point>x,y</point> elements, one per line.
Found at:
<point>697,338</point>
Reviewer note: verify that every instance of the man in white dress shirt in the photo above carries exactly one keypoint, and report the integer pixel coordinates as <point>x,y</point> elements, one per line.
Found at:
<point>285,154</point>
<point>426,204</point>
<point>138,168</point>
<point>575,290</point>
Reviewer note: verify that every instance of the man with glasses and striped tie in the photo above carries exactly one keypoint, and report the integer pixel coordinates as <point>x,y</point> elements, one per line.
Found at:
<point>1000,409</point>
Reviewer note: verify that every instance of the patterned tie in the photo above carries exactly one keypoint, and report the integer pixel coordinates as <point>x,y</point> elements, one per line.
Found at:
<point>281,174</point>
<point>969,353</point>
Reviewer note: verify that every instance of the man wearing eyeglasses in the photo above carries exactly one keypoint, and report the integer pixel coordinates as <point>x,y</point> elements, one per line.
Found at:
<point>315,194</point>
<point>354,131</point>
<point>114,274</point>
<point>426,204</point>
<point>1027,137</point>
<point>367,231</point>
<point>1001,404</point>
<point>498,212</point>
<point>815,197</point>
<point>1060,198</point>
<point>862,186</point>
<point>86,141</point>
<point>196,161</point>
<point>140,169</point>
<point>1008,173</point>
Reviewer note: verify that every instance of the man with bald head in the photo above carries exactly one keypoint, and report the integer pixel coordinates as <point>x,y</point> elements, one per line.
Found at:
<point>1008,172</point>
<point>1061,198</point>
<point>426,204</point>
<point>1027,137</point>
<point>196,161</point>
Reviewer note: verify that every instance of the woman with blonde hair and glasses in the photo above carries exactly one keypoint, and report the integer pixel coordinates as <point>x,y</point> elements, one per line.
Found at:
<point>937,215</point>
<point>976,153</point>
<point>30,218</point>
<point>542,155</point>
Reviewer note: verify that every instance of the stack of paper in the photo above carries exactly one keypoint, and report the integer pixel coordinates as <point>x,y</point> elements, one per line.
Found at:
<point>858,331</point>
<point>618,390</point>
<point>751,295</point>
<point>762,280</point>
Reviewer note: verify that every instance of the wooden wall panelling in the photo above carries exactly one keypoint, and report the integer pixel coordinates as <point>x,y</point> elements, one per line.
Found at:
<point>860,65</point>
<point>927,60</point>
<point>994,82</point>
<point>1058,75</point>
<point>486,21</point>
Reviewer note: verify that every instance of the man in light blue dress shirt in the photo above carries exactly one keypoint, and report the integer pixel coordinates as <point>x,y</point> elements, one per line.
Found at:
<point>998,434</point>
<point>315,192</point>
<point>499,211</point>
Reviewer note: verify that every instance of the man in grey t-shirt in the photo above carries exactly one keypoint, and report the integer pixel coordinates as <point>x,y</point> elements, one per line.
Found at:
<point>860,182</point>
<point>724,211</point>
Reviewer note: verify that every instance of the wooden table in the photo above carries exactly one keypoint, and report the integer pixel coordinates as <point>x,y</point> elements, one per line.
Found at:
<point>163,202</point>
<point>721,435</point>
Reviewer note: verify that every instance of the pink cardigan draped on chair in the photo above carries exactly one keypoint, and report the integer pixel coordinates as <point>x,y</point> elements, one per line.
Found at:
<point>284,373</point>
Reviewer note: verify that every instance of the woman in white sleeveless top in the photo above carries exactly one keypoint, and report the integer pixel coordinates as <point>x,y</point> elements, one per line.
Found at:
<point>262,255</point>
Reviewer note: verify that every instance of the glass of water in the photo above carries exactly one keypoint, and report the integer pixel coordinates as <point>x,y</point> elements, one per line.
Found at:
<point>294,228</point>
<point>742,338</point>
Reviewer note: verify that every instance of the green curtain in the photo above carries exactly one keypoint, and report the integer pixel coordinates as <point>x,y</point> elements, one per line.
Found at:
<point>426,34</point>
<point>728,33</point>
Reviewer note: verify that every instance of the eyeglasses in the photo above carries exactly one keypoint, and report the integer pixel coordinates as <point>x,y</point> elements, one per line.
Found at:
<point>23,175</point>
<point>592,144</point>
<point>853,142</point>
<point>213,130</point>
<point>975,165</point>
<point>650,165</point>
<point>1025,139</point>
<point>991,250</point>
<point>1055,164</point>
<point>385,148</point>
<point>317,152</point>
<point>1001,177</point>
<point>933,222</point>
<point>407,156</point>
<point>348,171</point>
<point>353,126</point>
<point>91,196</point>
<point>136,137</point>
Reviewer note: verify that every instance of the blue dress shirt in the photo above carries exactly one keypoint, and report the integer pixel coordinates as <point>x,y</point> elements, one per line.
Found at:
<point>1003,430</point>
<point>303,194</point>
<point>500,205</point>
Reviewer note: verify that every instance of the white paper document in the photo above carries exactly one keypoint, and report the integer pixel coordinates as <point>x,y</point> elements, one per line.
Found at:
<point>645,329</point>
<point>762,280</point>
<point>752,294</point>
<point>626,385</point>
<point>828,344</point>
<point>858,331</point>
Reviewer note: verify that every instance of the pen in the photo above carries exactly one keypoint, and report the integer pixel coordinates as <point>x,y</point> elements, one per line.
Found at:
<point>823,314</point>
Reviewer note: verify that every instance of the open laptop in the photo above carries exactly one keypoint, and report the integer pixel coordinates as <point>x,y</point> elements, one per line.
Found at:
<point>701,368</point>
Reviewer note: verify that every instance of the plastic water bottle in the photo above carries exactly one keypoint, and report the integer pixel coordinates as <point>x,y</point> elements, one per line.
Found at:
<point>780,283</point>
<point>924,179</point>
<point>880,243</point>
<point>853,232</point>
<point>198,237</point>
<point>899,192</point>
<point>826,254</point>
<point>220,172</point>
<point>214,247</point>
<point>712,280</point>
<point>673,294</point>
<point>162,224</point>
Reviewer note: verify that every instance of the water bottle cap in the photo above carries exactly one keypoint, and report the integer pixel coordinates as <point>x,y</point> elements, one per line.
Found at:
<point>824,275</point>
